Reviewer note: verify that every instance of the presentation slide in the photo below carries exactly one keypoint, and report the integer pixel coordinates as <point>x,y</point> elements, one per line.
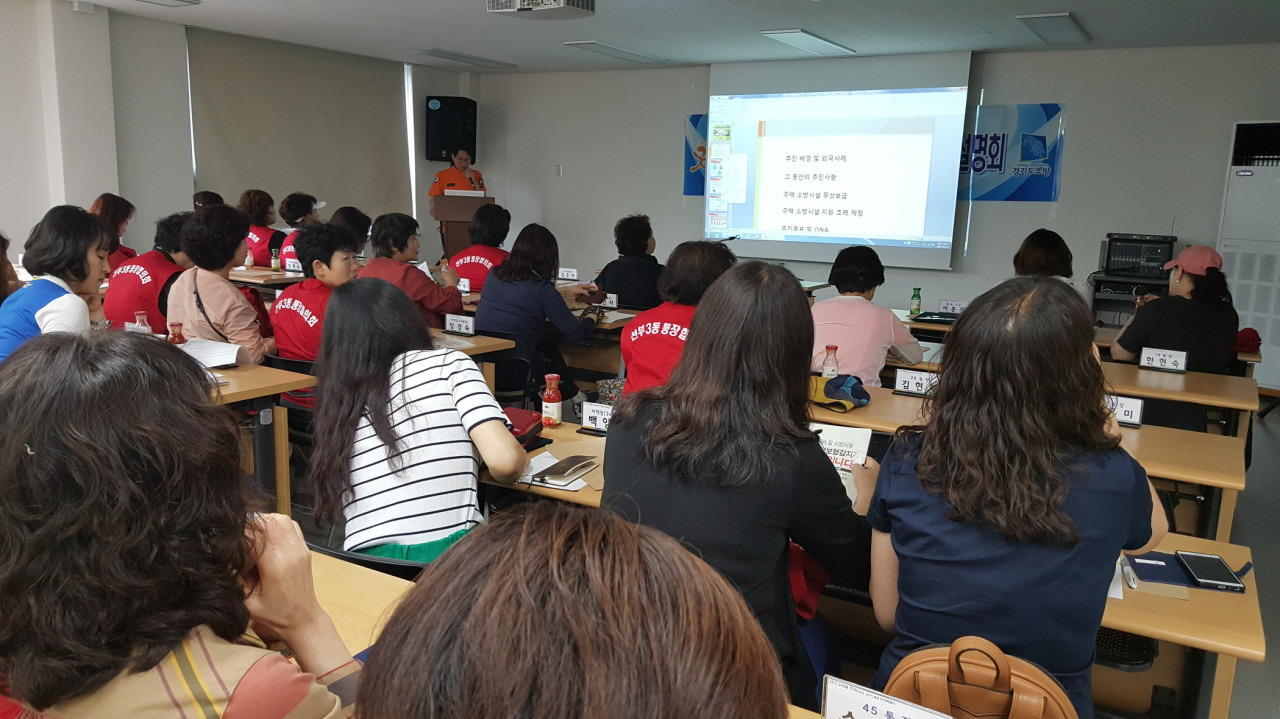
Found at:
<point>832,169</point>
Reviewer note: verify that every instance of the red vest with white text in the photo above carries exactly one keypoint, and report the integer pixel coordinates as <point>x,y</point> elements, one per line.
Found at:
<point>135,286</point>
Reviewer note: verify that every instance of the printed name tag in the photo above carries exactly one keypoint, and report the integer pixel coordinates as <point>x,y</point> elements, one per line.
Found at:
<point>460,325</point>
<point>464,285</point>
<point>845,700</point>
<point>568,273</point>
<point>596,415</point>
<point>610,302</point>
<point>915,382</point>
<point>1128,410</point>
<point>956,306</point>
<point>1166,360</point>
<point>292,265</point>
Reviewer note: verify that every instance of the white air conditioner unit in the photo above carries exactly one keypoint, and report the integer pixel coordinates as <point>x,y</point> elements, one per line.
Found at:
<point>543,9</point>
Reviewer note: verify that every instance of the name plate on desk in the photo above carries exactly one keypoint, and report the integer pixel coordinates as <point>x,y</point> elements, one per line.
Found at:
<point>568,273</point>
<point>460,325</point>
<point>464,285</point>
<point>596,415</point>
<point>956,306</point>
<point>610,302</point>
<point>292,265</point>
<point>1128,410</point>
<point>846,700</point>
<point>914,382</point>
<point>1163,360</point>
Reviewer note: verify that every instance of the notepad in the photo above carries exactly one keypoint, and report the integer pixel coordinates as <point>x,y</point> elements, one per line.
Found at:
<point>211,354</point>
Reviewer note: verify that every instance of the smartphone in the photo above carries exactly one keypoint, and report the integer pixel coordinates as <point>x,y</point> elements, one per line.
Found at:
<point>567,469</point>
<point>1209,571</point>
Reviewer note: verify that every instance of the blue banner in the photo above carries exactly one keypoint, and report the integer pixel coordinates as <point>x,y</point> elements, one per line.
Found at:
<point>1014,154</point>
<point>695,154</point>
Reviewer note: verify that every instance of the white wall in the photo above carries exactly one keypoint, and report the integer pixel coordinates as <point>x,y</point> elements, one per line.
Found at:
<point>24,180</point>
<point>618,135</point>
<point>1147,141</point>
<point>152,121</point>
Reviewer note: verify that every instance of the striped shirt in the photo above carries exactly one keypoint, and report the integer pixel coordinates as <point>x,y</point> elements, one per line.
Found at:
<point>437,398</point>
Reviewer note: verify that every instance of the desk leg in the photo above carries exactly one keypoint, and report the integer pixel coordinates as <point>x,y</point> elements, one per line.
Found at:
<point>489,370</point>
<point>1226,515</point>
<point>1224,679</point>
<point>281,435</point>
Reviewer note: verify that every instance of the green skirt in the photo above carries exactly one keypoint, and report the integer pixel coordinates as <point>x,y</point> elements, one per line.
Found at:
<point>425,553</point>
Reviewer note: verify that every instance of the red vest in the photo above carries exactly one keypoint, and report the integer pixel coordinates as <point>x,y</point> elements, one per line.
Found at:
<point>652,344</point>
<point>298,316</point>
<point>135,286</point>
<point>473,264</point>
<point>288,256</point>
<point>259,239</point>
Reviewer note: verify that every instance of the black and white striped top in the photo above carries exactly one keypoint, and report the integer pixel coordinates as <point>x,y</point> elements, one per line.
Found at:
<point>437,398</point>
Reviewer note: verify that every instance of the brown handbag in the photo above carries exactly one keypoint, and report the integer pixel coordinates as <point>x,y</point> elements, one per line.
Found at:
<point>973,679</point>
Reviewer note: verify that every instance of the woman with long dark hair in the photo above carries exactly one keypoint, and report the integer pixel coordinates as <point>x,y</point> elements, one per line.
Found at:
<point>130,565</point>
<point>400,427</point>
<point>722,456</point>
<point>551,610</point>
<point>1004,515</point>
<point>1197,318</point>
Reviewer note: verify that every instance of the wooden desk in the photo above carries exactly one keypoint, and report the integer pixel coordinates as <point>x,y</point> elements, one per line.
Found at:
<point>1227,624</point>
<point>1212,390</point>
<point>263,277</point>
<point>472,346</point>
<point>587,496</point>
<point>1104,337</point>
<point>811,287</point>
<point>256,387</point>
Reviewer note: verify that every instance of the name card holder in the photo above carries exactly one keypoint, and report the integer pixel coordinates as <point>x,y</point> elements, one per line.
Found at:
<point>1128,410</point>
<point>460,325</point>
<point>610,302</point>
<point>464,285</point>
<point>914,383</point>
<point>596,415</point>
<point>1163,360</point>
<point>846,700</point>
<point>292,265</point>
<point>568,273</point>
<point>954,306</point>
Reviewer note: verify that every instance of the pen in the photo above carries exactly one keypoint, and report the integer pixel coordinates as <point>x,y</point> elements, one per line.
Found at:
<point>1130,578</point>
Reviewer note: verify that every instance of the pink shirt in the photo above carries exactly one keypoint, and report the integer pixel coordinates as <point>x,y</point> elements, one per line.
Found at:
<point>864,333</point>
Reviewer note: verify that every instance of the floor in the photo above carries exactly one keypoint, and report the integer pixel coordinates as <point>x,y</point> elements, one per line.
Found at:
<point>1257,526</point>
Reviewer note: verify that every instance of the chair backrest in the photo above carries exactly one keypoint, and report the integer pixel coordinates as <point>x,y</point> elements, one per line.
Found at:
<point>973,679</point>
<point>401,568</point>
<point>290,365</point>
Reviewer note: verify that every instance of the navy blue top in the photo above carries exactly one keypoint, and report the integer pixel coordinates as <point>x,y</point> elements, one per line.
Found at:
<point>524,308</point>
<point>1040,602</point>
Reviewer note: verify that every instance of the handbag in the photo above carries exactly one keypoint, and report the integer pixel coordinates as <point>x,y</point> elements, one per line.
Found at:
<point>973,679</point>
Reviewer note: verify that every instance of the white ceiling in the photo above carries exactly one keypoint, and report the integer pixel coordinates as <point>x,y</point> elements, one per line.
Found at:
<point>690,32</point>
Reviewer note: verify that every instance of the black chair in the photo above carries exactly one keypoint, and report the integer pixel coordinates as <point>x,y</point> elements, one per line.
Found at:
<point>402,568</point>
<point>516,370</point>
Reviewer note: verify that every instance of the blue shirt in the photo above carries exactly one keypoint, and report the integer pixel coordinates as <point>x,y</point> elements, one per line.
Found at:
<point>525,307</point>
<point>18,313</point>
<point>1040,602</point>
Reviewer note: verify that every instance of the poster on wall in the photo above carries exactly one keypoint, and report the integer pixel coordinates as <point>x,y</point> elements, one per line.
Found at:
<point>695,154</point>
<point>1014,154</point>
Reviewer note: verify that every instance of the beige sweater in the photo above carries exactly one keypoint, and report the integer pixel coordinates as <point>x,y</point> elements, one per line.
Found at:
<point>230,312</point>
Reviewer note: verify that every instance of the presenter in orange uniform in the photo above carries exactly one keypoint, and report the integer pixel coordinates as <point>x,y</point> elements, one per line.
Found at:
<point>458,177</point>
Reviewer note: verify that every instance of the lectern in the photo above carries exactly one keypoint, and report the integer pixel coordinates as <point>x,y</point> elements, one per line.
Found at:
<point>454,215</point>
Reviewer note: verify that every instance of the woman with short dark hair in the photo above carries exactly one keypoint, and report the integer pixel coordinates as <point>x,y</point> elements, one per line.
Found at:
<point>298,210</point>
<point>633,277</point>
<point>1044,253</point>
<point>653,341</point>
<point>723,457</point>
<point>66,253</point>
<point>1003,516</point>
<point>203,298</point>
<point>132,565</point>
<point>487,231</point>
<point>395,246</point>
<point>354,221</point>
<point>590,616</point>
<point>261,209</point>
<point>116,213</point>
<point>864,333</point>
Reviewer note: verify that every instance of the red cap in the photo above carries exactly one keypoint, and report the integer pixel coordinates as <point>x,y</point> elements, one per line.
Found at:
<point>1196,259</point>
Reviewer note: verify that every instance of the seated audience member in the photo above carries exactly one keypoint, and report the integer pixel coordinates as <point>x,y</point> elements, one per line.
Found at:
<point>298,210</point>
<point>1034,497</point>
<point>354,221</point>
<point>203,299</point>
<point>633,277</point>
<point>400,427</point>
<point>205,198</point>
<point>633,625</point>
<point>864,333</point>
<point>520,298</point>
<point>143,283</point>
<point>154,534</point>
<point>1045,253</point>
<point>8,276</point>
<point>66,254</point>
<point>653,341</point>
<point>395,244</point>
<point>722,457</point>
<point>487,231</point>
<point>261,209</point>
<point>116,213</point>
<point>1197,317</point>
